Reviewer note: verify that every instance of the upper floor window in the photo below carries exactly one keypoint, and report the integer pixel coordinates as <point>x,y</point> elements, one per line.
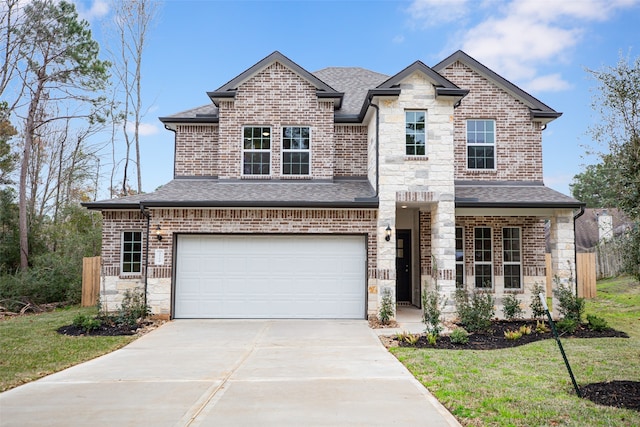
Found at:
<point>256,151</point>
<point>296,150</point>
<point>481,144</point>
<point>512,259</point>
<point>131,252</point>
<point>415,133</point>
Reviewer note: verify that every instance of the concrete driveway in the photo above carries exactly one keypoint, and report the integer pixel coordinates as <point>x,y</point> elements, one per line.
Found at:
<point>233,373</point>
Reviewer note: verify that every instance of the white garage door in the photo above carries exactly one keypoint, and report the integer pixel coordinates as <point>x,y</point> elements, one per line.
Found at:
<point>227,276</point>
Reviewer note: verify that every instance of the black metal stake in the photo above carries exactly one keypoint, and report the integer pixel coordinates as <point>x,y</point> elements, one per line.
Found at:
<point>543,300</point>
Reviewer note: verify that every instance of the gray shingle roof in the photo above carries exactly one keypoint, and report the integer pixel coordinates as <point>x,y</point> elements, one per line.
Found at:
<point>510,194</point>
<point>354,82</point>
<point>212,192</point>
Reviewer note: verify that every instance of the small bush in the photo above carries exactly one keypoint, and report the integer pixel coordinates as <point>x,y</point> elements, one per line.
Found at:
<point>541,327</point>
<point>431,311</point>
<point>567,325</point>
<point>596,323</point>
<point>132,309</point>
<point>432,339</point>
<point>511,307</point>
<point>525,330</point>
<point>512,335</point>
<point>412,339</point>
<point>386,307</point>
<point>475,310</point>
<point>86,323</point>
<point>537,309</point>
<point>401,336</point>
<point>459,336</point>
<point>570,306</point>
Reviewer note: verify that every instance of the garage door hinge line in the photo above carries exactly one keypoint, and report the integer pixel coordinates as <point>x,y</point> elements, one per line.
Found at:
<point>212,391</point>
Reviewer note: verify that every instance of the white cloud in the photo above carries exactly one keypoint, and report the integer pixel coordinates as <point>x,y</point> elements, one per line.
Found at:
<point>145,129</point>
<point>429,13</point>
<point>96,10</point>
<point>518,38</point>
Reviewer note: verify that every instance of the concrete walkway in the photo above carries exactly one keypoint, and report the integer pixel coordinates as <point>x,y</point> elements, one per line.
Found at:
<point>234,373</point>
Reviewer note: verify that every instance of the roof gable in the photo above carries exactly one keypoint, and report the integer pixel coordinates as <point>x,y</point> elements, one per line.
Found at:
<point>539,110</point>
<point>228,90</point>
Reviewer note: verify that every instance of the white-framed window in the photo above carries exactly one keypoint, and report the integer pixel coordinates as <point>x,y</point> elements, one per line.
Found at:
<point>483,258</point>
<point>131,252</point>
<point>460,258</point>
<point>415,133</point>
<point>512,257</point>
<point>296,150</point>
<point>481,144</point>
<point>256,150</point>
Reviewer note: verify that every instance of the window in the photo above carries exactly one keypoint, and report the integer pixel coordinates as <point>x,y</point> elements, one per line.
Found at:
<point>256,151</point>
<point>481,144</point>
<point>415,133</point>
<point>295,150</point>
<point>459,257</point>
<point>483,258</point>
<point>131,252</point>
<point>512,259</point>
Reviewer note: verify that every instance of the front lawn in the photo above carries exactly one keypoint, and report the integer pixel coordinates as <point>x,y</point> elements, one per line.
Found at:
<point>529,385</point>
<point>30,347</point>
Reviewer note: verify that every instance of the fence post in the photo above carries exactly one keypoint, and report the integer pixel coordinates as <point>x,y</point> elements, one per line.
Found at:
<point>90,281</point>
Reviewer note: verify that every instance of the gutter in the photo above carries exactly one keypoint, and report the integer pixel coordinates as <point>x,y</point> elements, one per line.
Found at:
<point>377,146</point>
<point>146,255</point>
<point>575,251</point>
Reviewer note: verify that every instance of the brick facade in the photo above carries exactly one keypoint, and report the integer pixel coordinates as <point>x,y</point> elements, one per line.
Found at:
<point>350,151</point>
<point>196,151</point>
<point>518,138</point>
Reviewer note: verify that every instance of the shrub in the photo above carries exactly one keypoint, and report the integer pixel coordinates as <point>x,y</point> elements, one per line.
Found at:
<point>570,306</point>
<point>132,309</point>
<point>512,335</point>
<point>475,310</point>
<point>537,309</point>
<point>386,307</point>
<point>541,327</point>
<point>431,311</point>
<point>432,339</point>
<point>525,330</point>
<point>567,325</point>
<point>459,336</point>
<point>511,307</point>
<point>596,323</point>
<point>86,323</point>
<point>412,339</point>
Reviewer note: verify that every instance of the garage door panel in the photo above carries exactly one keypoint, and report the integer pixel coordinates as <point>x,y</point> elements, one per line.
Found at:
<point>270,277</point>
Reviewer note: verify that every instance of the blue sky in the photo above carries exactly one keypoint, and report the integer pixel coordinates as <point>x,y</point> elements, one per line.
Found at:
<point>543,46</point>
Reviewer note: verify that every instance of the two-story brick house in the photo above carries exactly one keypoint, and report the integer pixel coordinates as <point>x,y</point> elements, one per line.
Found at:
<point>299,194</point>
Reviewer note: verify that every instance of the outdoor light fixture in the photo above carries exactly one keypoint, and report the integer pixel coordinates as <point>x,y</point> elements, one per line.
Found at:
<point>158,233</point>
<point>387,233</point>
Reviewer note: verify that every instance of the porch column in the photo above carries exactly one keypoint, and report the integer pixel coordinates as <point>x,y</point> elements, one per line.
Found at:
<point>443,250</point>
<point>563,253</point>
<point>386,251</point>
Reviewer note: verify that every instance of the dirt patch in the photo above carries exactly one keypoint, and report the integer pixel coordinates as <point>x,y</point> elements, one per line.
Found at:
<point>375,323</point>
<point>620,394</point>
<point>494,338</point>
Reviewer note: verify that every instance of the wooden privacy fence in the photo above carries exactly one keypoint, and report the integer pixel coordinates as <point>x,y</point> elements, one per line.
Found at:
<point>90,281</point>
<point>585,270</point>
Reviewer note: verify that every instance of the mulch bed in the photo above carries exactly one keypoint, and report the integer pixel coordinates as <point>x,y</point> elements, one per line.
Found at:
<point>494,338</point>
<point>621,394</point>
<point>110,330</point>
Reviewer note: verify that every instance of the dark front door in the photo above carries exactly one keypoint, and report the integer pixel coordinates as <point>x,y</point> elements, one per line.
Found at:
<point>403,266</point>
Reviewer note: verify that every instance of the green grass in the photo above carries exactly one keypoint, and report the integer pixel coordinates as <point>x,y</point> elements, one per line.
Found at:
<point>30,347</point>
<point>529,385</point>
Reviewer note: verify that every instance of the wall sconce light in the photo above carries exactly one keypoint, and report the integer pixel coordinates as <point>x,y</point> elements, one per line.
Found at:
<point>387,233</point>
<point>158,233</point>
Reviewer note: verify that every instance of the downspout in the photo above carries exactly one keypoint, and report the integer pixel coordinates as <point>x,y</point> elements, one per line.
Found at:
<point>377,146</point>
<point>146,250</point>
<point>175,147</point>
<point>575,244</point>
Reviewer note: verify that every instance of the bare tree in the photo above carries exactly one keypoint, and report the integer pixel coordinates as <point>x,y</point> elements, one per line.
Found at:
<point>133,19</point>
<point>58,64</point>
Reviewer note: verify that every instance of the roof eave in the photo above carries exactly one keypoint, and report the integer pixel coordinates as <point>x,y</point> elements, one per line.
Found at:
<point>529,205</point>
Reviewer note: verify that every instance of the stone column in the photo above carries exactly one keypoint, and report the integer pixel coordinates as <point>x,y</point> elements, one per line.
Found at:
<point>443,250</point>
<point>563,252</point>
